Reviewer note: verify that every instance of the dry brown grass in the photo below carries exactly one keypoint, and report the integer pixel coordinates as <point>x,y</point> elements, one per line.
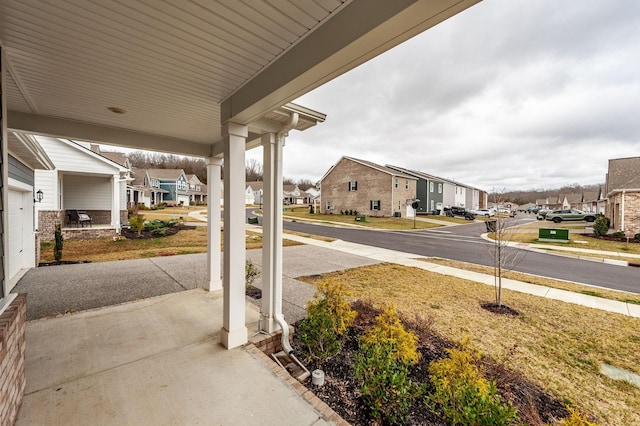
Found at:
<point>557,345</point>
<point>370,221</point>
<point>186,241</point>
<point>621,296</point>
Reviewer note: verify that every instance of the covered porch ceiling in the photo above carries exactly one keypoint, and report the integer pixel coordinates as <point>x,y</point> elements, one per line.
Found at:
<point>166,75</point>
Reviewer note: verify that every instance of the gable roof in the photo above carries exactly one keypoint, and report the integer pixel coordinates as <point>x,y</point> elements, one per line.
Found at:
<point>165,174</point>
<point>27,150</point>
<point>624,173</point>
<point>116,157</point>
<point>371,165</point>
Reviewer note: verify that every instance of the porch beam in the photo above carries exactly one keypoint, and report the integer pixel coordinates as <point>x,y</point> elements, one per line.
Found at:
<point>234,330</point>
<point>214,224</point>
<point>78,130</point>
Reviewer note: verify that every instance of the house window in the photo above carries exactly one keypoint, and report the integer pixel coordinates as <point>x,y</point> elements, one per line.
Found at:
<point>353,185</point>
<point>396,184</point>
<point>374,204</point>
<point>439,188</point>
<point>430,186</point>
<point>406,184</point>
<point>328,205</point>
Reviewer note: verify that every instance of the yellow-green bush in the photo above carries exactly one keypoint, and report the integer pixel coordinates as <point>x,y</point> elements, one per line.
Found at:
<point>462,395</point>
<point>389,329</point>
<point>385,353</point>
<point>576,419</point>
<point>337,297</point>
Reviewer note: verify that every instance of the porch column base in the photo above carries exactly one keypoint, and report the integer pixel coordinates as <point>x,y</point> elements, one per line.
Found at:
<point>269,325</point>
<point>214,285</point>
<point>235,338</point>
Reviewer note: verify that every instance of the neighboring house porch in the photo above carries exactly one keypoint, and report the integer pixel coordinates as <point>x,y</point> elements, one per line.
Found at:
<point>82,180</point>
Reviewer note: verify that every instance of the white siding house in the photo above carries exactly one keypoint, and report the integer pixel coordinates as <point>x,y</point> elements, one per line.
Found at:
<point>82,180</point>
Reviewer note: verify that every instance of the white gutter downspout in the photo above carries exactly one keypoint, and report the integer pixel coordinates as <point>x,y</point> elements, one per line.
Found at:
<point>277,268</point>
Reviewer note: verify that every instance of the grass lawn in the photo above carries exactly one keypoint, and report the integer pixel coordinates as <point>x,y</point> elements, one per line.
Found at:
<point>620,296</point>
<point>186,241</point>
<point>576,240</point>
<point>370,221</point>
<point>170,213</point>
<point>557,345</point>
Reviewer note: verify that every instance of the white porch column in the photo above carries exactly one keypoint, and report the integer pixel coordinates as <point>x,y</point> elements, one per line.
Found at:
<point>234,331</point>
<point>271,239</point>
<point>214,165</point>
<point>115,205</point>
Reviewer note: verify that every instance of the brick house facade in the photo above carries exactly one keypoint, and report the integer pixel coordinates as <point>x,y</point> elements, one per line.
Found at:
<point>368,188</point>
<point>623,195</point>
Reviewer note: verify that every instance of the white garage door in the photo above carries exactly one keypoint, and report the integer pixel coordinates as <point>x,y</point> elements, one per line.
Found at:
<point>16,235</point>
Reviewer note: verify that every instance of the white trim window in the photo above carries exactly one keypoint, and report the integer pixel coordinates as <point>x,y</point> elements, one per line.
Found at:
<point>406,184</point>
<point>353,185</point>
<point>374,204</point>
<point>439,188</point>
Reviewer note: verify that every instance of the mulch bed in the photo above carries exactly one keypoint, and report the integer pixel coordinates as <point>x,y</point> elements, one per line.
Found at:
<point>145,234</point>
<point>341,391</point>
<point>610,237</point>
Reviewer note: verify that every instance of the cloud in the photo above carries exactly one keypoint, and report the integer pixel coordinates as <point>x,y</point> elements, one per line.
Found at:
<point>511,94</point>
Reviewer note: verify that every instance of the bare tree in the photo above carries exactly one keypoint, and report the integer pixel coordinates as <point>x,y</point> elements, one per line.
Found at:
<point>503,258</point>
<point>253,170</point>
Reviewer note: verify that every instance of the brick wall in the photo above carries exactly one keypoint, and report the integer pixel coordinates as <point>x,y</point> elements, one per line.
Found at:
<point>47,220</point>
<point>12,359</point>
<point>270,343</point>
<point>631,212</point>
<point>372,184</point>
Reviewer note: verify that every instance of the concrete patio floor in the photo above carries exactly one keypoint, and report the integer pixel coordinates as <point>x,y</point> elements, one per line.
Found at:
<point>152,362</point>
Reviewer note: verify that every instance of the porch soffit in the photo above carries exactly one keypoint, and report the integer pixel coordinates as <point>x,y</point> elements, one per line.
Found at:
<point>181,69</point>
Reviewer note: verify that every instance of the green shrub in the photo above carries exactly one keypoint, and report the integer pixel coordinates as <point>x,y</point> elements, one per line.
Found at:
<point>329,315</point>
<point>601,225</point>
<point>637,236</point>
<point>576,419</point>
<point>136,223</point>
<point>618,234</point>
<point>57,249</point>
<point>316,332</point>
<point>463,395</point>
<point>250,273</point>
<point>389,329</point>
<point>386,388</point>
<point>159,226</point>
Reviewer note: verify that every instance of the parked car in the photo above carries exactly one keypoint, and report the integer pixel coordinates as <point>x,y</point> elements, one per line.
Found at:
<point>483,212</point>
<point>570,214</point>
<point>542,214</point>
<point>459,211</point>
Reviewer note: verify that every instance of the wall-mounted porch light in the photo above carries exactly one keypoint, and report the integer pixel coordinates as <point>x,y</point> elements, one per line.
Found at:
<point>39,196</point>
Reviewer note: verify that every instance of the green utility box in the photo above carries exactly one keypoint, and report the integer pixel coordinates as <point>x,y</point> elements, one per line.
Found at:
<point>360,218</point>
<point>557,235</point>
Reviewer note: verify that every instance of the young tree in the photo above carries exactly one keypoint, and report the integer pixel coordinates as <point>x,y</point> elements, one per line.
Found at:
<point>503,258</point>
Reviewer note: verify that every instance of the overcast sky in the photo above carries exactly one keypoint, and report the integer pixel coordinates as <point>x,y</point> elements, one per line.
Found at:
<point>509,94</point>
